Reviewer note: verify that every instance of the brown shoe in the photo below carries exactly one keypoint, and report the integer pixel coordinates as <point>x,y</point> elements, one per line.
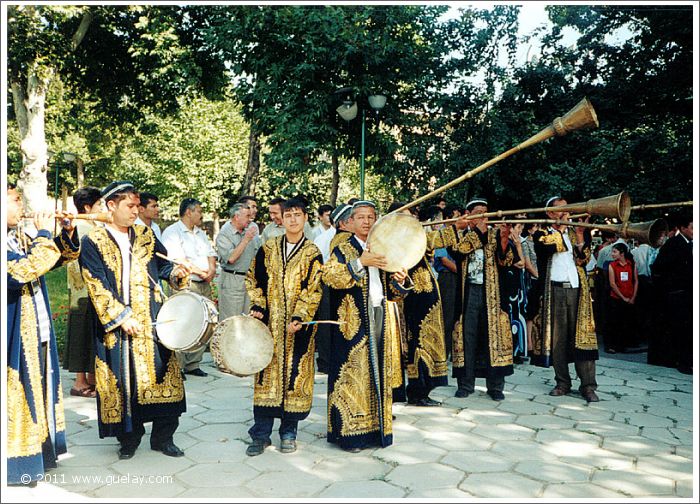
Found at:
<point>558,391</point>
<point>590,396</point>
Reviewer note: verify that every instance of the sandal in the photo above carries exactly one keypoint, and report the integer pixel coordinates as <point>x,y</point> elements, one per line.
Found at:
<point>84,392</point>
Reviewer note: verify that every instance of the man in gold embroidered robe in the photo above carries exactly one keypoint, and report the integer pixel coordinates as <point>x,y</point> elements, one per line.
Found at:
<point>137,379</point>
<point>563,327</point>
<point>35,421</point>
<point>422,307</point>
<point>284,285</point>
<point>361,366</point>
<point>482,344</point>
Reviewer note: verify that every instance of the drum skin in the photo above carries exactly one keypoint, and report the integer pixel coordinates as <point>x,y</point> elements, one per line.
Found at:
<point>400,238</point>
<point>186,321</point>
<point>242,345</point>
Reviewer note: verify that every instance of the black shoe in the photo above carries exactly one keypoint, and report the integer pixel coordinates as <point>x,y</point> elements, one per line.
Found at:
<point>426,401</point>
<point>590,396</point>
<point>462,393</point>
<point>685,369</point>
<point>496,395</point>
<point>256,448</point>
<point>288,446</point>
<point>169,449</point>
<point>353,450</point>
<point>558,391</point>
<point>126,453</point>
<point>197,372</point>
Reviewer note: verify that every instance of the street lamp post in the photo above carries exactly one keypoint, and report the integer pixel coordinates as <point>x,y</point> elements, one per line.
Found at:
<point>348,111</point>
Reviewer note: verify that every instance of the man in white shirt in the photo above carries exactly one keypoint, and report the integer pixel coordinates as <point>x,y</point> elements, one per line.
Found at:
<point>148,212</point>
<point>186,241</point>
<point>565,330</point>
<point>324,220</point>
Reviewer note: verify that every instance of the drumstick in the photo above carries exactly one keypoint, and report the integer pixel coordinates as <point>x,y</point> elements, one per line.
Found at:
<point>163,322</point>
<point>181,263</point>
<point>336,322</point>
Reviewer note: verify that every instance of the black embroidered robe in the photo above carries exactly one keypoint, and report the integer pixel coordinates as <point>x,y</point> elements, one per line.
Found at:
<point>137,378</point>
<point>359,392</point>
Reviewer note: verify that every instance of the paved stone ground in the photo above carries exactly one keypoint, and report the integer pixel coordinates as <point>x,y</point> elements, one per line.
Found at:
<point>636,442</point>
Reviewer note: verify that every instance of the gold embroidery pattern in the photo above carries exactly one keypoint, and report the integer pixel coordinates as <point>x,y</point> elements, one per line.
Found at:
<point>336,274</point>
<point>431,344</point>
<point>255,293</point>
<point>441,238</point>
<point>423,280</point>
<point>353,394</point>
<point>554,238</point>
<point>24,437</point>
<point>108,392</point>
<point>392,336</point>
<point>67,251</point>
<point>109,252</point>
<point>107,307</point>
<point>469,243</point>
<point>41,257</point>
<point>458,344</point>
<point>349,316</point>
<point>500,337</point>
<point>388,374</point>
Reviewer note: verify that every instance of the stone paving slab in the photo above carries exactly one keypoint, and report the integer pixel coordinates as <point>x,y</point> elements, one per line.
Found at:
<point>637,442</point>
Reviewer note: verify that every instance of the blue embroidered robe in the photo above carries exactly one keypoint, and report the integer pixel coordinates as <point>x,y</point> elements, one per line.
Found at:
<point>35,420</point>
<point>359,393</point>
<point>137,378</point>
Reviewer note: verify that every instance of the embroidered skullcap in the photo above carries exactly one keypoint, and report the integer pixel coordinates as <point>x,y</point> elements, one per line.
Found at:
<point>476,202</point>
<point>340,212</point>
<point>551,200</point>
<point>361,203</point>
<point>115,187</point>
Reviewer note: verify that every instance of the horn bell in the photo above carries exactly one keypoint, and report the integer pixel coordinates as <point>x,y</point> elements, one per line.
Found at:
<point>617,206</point>
<point>650,232</point>
<point>582,116</point>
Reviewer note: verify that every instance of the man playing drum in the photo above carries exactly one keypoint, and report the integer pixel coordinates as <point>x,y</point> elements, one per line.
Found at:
<point>138,380</point>
<point>284,285</point>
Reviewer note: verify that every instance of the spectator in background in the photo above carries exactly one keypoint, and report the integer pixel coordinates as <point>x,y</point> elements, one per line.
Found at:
<point>148,212</point>
<point>187,241</point>
<point>674,270</point>
<point>324,220</point>
<point>79,349</point>
<point>622,277</point>
<point>645,308</point>
<point>602,286</point>
<point>531,275</point>
<point>446,268</point>
<point>252,203</point>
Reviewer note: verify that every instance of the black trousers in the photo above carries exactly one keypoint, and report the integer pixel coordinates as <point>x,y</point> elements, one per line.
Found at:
<point>162,432</point>
<point>447,281</point>
<point>476,342</point>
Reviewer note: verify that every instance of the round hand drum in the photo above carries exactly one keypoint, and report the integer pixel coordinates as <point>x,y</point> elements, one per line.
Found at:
<point>400,238</point>
<point>242,345</point>
<point>186,321</point>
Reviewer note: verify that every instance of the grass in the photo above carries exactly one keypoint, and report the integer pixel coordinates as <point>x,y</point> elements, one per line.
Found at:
<point>57,285</point>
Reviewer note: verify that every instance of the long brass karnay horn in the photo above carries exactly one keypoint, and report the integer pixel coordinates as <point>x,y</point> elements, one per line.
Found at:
<point>105,217</point>
<point>617,206</point>
<point>582,116</point>
<point>647,206</point>
<point>649,232</point>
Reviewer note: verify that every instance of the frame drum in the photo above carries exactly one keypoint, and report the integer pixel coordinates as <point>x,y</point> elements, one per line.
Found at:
<point>400,238</point>
<point>242,345</point>
<point>186,321</point>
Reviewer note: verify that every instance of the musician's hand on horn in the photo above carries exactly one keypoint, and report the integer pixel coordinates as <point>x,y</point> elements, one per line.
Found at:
<point>400,276</point>
<point>256,314</point>
<point>67,222</point>
<point>462,223</point>
<point>44,220</point>
<point>580,231</point>
<point>370,259</point>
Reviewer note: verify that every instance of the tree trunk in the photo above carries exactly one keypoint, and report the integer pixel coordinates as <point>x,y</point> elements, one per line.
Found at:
<point>215,225</point>
<point>79,173</point>
<point>336,179</point>
<point>29,109</point>
<point>253,167</point>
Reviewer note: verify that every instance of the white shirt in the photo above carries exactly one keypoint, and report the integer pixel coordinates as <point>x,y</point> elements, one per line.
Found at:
<point>376,291</point>
<point>154,227</point>
<point>563,266</point>
<point>323,242</point>
<point>475,267</point>
<point>193,245</point>
<point>644,257</point>
<point>122,239</point>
